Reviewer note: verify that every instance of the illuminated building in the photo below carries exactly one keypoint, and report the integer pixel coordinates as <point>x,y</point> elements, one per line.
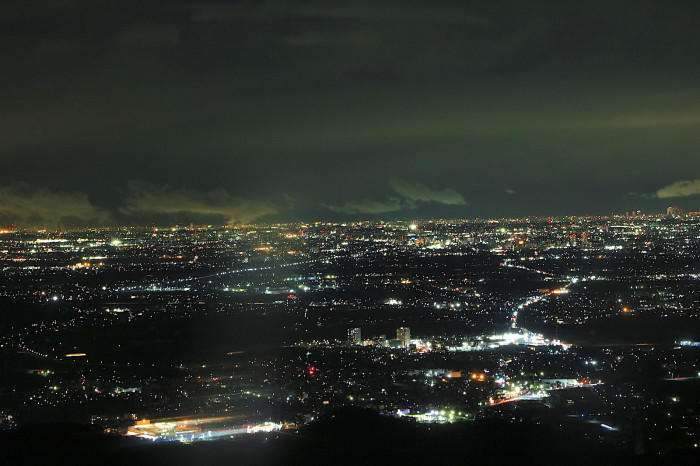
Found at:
<point>674,211</point>
<point>193,429</point>
<point>404,334</point>
<point>354,336</point>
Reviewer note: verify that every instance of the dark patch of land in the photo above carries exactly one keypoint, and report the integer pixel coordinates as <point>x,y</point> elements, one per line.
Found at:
<point>349,436</point>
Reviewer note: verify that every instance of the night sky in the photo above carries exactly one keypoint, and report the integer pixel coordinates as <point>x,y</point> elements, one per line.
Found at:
<point>172,112</point>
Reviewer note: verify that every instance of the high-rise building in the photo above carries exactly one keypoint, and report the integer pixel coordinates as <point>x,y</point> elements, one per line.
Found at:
<point>354,336</point>
<point>404,334</point>
<point>674,211</point>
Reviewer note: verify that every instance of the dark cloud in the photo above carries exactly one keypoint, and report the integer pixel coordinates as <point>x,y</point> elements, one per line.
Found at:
<point>147,200</point>
<point>289,106</point>
<point>47,208</point>
<point>142,204</point>
<point>147,34</point>
<point>421,193</point>
<point>368,206</point>
<point>410,196</point>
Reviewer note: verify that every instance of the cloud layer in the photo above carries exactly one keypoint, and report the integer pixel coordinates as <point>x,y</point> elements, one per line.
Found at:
<point>367,206</point>
<point>421,193</point>
<point>145,200</point>
<point>680,189</point>
<point>409,195</point>
<point>143,204</point>
<point>48,208</point>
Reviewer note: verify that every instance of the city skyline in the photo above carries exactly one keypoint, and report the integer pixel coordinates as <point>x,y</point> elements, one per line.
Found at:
<point>201,335</point>
<point>183,221</point>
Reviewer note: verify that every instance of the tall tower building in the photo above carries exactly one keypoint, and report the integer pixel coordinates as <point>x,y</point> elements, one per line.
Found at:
<point>404,334</point>
<point>674,211</point>
<point>354,336</point>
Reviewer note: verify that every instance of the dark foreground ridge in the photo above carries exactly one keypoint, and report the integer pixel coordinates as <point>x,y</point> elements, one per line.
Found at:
<point>347,436</point>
